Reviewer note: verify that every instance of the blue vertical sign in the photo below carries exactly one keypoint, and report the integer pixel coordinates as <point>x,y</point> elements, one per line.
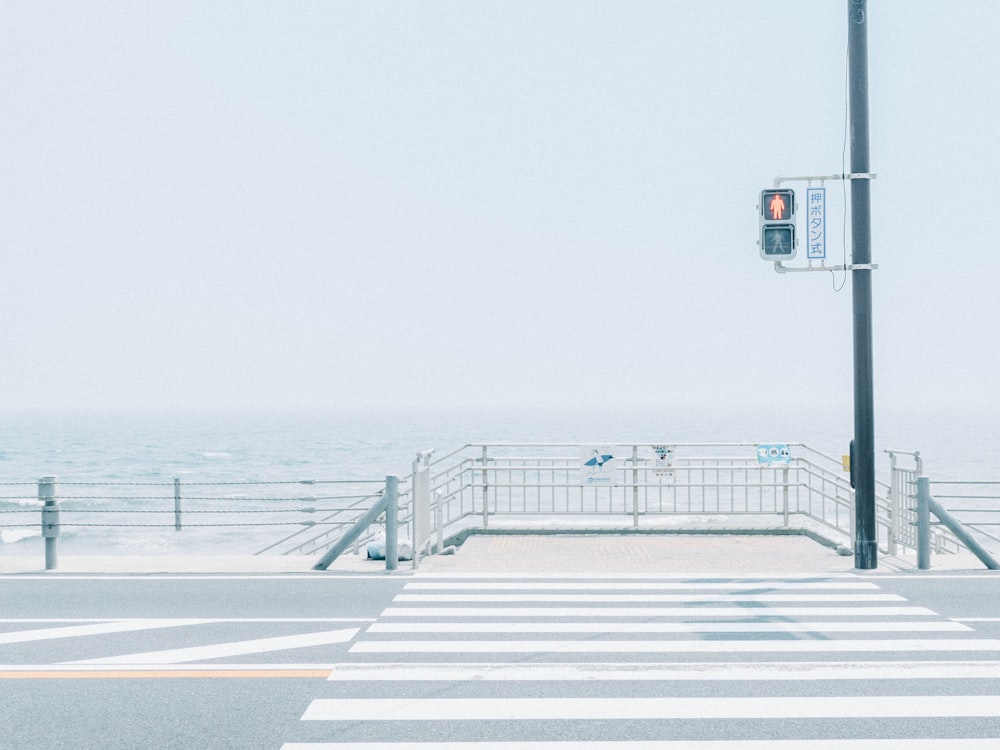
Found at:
<point>816,223</point>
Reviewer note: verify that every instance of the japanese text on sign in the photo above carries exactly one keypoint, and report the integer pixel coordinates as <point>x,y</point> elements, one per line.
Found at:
<point>816,222</point>
<point>663,461</point>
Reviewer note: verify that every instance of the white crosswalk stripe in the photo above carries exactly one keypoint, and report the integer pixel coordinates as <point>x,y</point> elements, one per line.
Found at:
<point>839,744</point>
<point>623,612</point>
<point>519,662</point>
<point>678,598</point>
<point>744,707</point>
<point>661,671</point>
<point>665,627</point>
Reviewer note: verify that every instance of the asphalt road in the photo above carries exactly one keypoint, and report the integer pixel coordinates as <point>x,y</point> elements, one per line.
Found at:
<point>329,662</point>
<point>172,661</point>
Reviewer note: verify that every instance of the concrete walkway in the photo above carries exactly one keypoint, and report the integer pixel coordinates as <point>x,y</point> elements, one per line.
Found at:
<point>525,554</point>
<point>699,554</point>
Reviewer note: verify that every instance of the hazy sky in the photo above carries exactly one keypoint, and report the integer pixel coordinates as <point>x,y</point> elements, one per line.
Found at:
<point>330,204</point>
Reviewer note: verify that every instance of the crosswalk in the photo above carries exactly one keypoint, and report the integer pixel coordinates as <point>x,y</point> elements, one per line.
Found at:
<point>657,664</point>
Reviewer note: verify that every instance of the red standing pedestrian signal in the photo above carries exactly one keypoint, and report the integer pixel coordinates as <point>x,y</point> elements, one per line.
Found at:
<point>777,207</point>
<point>777,224</point>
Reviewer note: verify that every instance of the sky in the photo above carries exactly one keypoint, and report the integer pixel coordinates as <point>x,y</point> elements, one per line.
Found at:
<point>324,205</point>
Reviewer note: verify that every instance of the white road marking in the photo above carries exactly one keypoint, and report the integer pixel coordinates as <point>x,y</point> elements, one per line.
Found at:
<point>667,671</point>
<point>665,708</point>
<point>666,627</point>
<point>636,586</point>
<point>56,620</point>
<point>236,648</point>
<point>607,598</point>
<point>214,666</point>
<point>715,576</point>
<point>669,646</point>
<point>631,612</point>
<point>985,743</point>
<point>102,628</point>
<point>303,575</point>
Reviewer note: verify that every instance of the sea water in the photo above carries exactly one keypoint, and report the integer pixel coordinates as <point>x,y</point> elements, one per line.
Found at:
<point>153,449</point>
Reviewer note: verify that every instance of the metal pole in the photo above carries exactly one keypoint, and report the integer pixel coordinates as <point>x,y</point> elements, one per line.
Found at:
<point>415,552</point>
<point>923,523</point>
<point>960,532</point>
<point>439,518</point>
<point>370,516</point>
<point>784,505</point>
<point>866,533</point>
<point>392,522</point>
<point>635,486</point>
<point>50,520</point>
<point>896,512</point>
<point>486,493</point>
<point>177,503</point>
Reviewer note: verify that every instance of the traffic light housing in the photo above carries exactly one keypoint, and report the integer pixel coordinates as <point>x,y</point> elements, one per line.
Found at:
<point>777,224</point>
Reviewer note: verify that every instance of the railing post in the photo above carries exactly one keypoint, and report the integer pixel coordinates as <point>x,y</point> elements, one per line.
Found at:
<point>784,493</point>
<point>852,518</point>
<point>896,512</point>
<point>50,520</point>
<point>177,503</point>
<point>635,486</point>
<point>420,504</point>
<point>923,523</point>
<point>486,493</point>
<point>392,523</point>
<point>415,554</point>
<point>439,518</point>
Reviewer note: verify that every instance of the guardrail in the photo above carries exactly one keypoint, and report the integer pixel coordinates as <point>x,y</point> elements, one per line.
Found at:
<point>905,469</point>
<point>927,505</point>
<point>976,504</point>
<point>678,486</point>
<point>139,514</point>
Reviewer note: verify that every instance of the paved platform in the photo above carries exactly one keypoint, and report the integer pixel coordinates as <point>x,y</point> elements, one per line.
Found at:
<point>698,554</point>
<point>680,554</point>
<point>526,554</point>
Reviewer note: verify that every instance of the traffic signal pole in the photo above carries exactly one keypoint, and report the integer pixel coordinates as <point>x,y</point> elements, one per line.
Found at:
<point>866,531</point>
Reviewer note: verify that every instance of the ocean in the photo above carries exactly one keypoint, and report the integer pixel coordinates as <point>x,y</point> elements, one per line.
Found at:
<point>83,449</point>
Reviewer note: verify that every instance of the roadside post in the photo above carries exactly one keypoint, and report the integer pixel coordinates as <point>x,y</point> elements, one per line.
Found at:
<point>391,522</point>
<point>50,520</point>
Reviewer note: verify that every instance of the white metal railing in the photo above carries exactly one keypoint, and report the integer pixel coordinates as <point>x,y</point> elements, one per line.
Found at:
<point>976,504</point>
<point>905,467</point>
<point>679,485</point>
<point>928,506</point>
<point>683,485</point>
<point>504,481</point>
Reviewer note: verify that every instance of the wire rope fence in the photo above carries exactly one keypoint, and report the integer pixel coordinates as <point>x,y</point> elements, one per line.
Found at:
<point>621,487</point>
<point>224,517</point>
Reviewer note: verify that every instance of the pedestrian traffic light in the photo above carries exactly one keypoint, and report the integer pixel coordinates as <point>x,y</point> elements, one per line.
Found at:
<point>777,224</point>
<point>777,241</point>
<point>777,205</point>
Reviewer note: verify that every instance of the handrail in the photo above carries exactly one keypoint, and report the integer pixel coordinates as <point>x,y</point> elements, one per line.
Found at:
<point>927,503</point>
<point>494,479</point>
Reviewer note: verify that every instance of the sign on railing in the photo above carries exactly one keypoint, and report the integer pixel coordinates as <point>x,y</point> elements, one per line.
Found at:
<point>598,466</point>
